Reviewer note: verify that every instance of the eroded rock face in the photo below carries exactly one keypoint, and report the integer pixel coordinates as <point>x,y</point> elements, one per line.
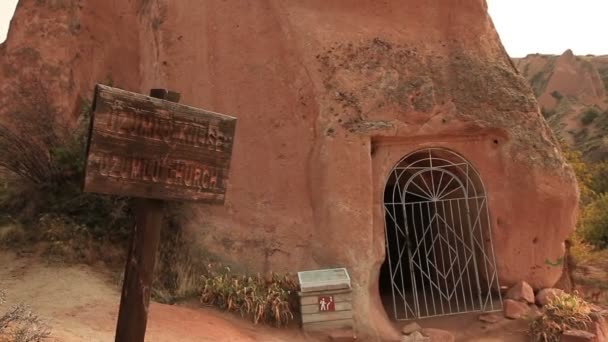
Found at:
<point>329,97</point>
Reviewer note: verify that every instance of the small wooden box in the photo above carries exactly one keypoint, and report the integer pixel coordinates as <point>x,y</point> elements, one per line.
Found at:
<point>325,299</point>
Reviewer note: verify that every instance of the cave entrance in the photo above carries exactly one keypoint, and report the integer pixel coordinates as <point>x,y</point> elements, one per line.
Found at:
<point>439,252</point>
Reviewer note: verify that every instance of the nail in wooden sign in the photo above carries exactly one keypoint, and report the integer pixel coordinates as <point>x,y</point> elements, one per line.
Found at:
<point>140,146</point>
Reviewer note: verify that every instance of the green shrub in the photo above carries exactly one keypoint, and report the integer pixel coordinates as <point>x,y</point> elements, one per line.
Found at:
<point>563,312</point>
<point>557,95</point>
<point>599,177</point>
<point>547,113</point>
<point>269,299</point>
<point>589,115</point>
<point>593,223</point>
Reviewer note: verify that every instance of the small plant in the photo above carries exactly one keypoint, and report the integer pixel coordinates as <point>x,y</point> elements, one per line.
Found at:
<point>563,312</point>
<point>589,115</point>
<point>270,299</point>
<point>547,113</point>
<point>21,323</point>
<point>557,95</point>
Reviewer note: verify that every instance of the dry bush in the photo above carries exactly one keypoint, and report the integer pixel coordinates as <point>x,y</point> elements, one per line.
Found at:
<point>21,324</point>
<point>563,312</point>
<point>45,154</point>
<point>33,137</point>
<point>177,271</point>
<point>269,299</point>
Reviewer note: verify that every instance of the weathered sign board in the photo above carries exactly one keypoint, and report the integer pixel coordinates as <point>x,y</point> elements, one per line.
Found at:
<point>325,299</point>
<point>153,149</point>
<point>326,279</point>
<point>141,146</point>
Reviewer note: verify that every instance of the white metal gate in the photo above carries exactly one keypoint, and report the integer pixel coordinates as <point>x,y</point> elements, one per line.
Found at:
<point>438,237</point>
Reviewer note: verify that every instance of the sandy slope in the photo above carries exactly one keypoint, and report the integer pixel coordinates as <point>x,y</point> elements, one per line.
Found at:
<point>81,305</point>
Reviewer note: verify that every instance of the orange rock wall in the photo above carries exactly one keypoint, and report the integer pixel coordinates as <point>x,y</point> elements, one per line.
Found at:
<point>328,97</point>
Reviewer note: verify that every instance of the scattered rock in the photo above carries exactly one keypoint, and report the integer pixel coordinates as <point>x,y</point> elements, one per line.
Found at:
<point>489,318</point>
<point>544,296</point>
<point>521,291</point>
<point>514,309</point>
<point>342,335</point>
<point>410,328</point>
<point>437,335</point>
<point>416,336</point>
<point>534,311</point>
<point>598,309</point>
<point>578,336</point>
<point>599,326</point>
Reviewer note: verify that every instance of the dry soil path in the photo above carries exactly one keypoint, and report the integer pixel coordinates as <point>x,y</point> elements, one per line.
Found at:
<point>81,304</point>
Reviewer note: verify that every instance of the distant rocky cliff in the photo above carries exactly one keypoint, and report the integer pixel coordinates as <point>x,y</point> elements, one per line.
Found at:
<point>572,92</point>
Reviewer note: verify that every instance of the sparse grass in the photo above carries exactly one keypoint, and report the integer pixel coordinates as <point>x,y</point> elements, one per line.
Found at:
<point>270,299</point>
<point>21,324</point>
<point>563,312</point>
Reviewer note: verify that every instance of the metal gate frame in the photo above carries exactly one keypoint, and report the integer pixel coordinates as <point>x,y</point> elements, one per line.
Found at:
<point>442,230</point>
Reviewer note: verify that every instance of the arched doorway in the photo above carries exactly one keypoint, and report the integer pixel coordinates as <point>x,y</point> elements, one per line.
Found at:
<point>439,251</point>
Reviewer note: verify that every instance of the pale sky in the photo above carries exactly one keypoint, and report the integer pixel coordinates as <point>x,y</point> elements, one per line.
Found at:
<point>524,26</point>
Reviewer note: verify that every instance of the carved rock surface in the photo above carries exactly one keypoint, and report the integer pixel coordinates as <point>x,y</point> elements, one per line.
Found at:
<point>328,98</point>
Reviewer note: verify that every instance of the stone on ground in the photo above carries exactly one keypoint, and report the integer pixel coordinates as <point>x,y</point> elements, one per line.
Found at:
<point>514,309</point>
<point>342,335</point>
<point>437,335</point>
<point>578,336</point>
<point>410,328</point>
<point>522,292</point>
<point>535,311</point>
<point>416,336</point>
<point>545,295</point>
<point>599,326</point>
<point>490,317</point>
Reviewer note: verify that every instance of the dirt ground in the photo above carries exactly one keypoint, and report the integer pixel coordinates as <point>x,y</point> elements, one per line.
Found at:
<point>81,302</point>
<point>468,328</point>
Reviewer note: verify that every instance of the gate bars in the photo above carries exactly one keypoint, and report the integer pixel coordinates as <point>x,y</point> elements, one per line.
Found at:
<point>438,237</point>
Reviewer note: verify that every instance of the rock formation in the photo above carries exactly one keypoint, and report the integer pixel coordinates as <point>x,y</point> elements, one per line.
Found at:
<point>329,97</point>
<point>573,95</point>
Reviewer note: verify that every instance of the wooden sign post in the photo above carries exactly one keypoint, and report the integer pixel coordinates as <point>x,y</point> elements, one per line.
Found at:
<point>153,149</point>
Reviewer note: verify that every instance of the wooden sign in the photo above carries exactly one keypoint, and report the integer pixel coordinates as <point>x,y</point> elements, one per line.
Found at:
<point>325,299</point>
<point>152,148</point>
<point>141,146</point>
